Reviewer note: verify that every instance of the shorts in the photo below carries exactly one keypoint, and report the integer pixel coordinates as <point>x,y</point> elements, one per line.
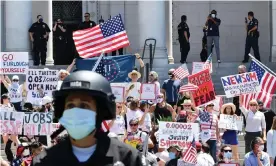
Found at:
<point>230,137</point>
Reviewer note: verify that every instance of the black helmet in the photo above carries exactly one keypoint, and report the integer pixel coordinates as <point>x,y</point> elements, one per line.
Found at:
<point>95,85</point>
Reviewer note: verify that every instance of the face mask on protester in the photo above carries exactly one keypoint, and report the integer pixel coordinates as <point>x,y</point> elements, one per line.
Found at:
<point>159,100</point>
<point>78,122</point>
<point>227,155</point>
<point>213,15</point>
<point>172,155</point>
<point>261,148</point>
<point>26,152</point>
<point>171,76</point>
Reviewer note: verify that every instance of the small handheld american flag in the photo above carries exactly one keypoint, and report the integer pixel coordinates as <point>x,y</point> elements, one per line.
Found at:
<point>181,72</point>
<point>188,87</point>
<point>190,155</point>
<point>109,36</point>
<point>208,64</point>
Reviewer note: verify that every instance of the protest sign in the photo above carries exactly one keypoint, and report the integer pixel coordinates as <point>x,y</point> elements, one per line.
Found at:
<point>197,67</point>
<point>205,91</point>
<point>228,164</point>
<point>41,83</point>
<point>36,123</point>
<point>11,122</point>
<point>236,85</point>
<point>131,89</point>
<point>181,134</point>
<point>230,122</point>
<point>148,92</point>
<point>119,93</point>
<point>181,162</point>
<point>14,62</point>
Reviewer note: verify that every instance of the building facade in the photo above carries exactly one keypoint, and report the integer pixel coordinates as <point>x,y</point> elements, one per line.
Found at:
<point>148,19</point>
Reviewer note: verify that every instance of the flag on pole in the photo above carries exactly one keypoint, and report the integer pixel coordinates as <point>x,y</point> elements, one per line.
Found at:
<point>181,72</point>
<point>267,82</point>
<point>188,87</point>
<point>208,64</point>
<point>109,36</point>
<point>190,155</point>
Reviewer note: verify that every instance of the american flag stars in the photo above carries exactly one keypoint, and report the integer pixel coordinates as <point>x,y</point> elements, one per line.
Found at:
<point>115,25</point>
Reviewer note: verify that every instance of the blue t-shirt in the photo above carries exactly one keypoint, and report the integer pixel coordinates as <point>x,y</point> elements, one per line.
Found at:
<point>171,87</point>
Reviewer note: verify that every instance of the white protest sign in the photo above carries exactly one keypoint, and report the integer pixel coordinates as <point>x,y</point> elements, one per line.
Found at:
<point>230,122</point>
<point>236,85</point>
<point>119,93</point>
<point>181,162</point>
<point>14,62</point>
<point>148,92</point>
<point>132,89</point>
<point>197,67</point>
<point>181,134</point>
<point>41,83</point>
<point>11,122</point>
<point>36,123</point>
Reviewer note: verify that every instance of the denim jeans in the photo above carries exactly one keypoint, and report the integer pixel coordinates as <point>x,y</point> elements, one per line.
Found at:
<point>213,149</point>
<point>210,40</point>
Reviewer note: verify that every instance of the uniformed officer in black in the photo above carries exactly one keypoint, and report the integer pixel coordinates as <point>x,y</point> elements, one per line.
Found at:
<point>39,34</point>
<point>83,102</point>
<point>87,23</point>
<point>183,37</point>
<point>60,41</point>
<point>252,37</point>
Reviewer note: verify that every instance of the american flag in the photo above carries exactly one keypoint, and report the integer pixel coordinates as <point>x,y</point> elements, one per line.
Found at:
<point>105,127</point>
<point>181,72</point>
<point>107,37</point>
<point>208,64</point>
<point>204,116</point>
<point>101,68</point>
<point>267,82</point>
<point>188,87</point>
<point>190,155</point>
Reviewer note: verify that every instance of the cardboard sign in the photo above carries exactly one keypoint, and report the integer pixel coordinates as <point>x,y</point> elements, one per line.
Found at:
<point>245,83</point>
<point>230,122</point>
<point>205,91</point>
<point>181,134</point>
<point>14,62</point>
<point>11,122</point>
<point>41,83</point>
<point>36,123</point>
<point>148,92</point>
<point>119,93</point>
<point>199,66</point>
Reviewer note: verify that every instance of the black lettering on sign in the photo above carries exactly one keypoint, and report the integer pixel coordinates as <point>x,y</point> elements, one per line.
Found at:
<point>35,118</point>
<point>27,117</point>
<point>7,116</point>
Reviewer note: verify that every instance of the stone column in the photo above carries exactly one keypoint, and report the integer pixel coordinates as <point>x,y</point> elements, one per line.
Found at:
<point>169,32</point>
<point>152,24</point>
<point>49,59</point>
<point>273,50</point>
<point>17,21</point>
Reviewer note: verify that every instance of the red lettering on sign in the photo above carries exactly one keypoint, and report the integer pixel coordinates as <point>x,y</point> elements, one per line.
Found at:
<point>7,57</point>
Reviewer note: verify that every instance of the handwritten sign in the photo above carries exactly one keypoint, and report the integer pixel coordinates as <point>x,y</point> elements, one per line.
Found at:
<point>199,66</point>
<point>181,134</point>
<point>132,89</point>
<point>205,91</point>
<point>36,123</point>
<point>230,122</point>
<point>14,62</point>
<point>245,83</point>
<point>148,92</point>
<point>41,83</point>
<point>119,93</point>
<point>11,122</point>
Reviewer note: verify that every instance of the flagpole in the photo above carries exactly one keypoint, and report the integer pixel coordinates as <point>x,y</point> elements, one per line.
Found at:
<point>260,63</point>
<point>98,62</point>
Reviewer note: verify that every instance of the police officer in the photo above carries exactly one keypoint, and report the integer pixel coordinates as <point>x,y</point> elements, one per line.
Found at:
<point>39,34</point>
<point>60,41</point>
<point>83,102</point>
<point>183,37</point>
<point>87,23</point>
<point>252,37</point>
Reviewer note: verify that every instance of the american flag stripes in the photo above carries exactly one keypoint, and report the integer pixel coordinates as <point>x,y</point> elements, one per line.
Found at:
<point>267,82</point>
<point>190,155</point>
<point>208,64</point>
<point>107,37</point>
<point>188,87</point>
<point>181,72</point>
<point>105,127</point>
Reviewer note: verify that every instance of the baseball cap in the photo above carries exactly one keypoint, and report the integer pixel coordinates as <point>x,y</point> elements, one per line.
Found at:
<point>176,147</point>
<point>198,145</point>
<point>15,77</point>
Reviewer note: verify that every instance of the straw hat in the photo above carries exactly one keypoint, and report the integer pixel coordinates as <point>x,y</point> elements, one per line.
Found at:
<point>228,105</point>
<point>187,102</point>
<point>134,72</point>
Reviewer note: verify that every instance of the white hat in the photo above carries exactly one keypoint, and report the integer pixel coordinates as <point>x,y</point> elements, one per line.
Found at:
<point>134,72</point>
<point>15,77</point>
<point>46,99</point>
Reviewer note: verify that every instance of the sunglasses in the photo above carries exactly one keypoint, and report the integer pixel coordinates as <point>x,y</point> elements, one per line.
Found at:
<point>159,97</point>
<point>187,105</point>
<point>227,150</point>
<point>15,80</point>
<point>151,75</point>
<point>210,105</point>
<point>253,105</point>
<point>133,125</point>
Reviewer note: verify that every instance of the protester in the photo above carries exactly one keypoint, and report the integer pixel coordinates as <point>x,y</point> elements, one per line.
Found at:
<point>47,104</point>
<point>230,137</point>
<point>146,125</point>
<point>225,155</point>
<point>204,158</point>
<point>257,156</point>
<point>133,87</point>
<point>153,79</point>
<point>175,153</point>
<point>188,113</point>
<point>271,142</point>
<point>22,152</point>
<point>133,112</point>
<point>255,124</point>
<point>64,73</point>
<point>36,148</point>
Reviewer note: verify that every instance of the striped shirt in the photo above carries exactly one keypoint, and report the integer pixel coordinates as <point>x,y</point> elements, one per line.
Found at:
<point>209,123</point>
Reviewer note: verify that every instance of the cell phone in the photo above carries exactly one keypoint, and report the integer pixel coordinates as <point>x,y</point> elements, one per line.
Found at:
<point>245,20</point>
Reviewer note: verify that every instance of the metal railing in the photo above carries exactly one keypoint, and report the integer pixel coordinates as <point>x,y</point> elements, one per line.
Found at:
<point>152,46</point>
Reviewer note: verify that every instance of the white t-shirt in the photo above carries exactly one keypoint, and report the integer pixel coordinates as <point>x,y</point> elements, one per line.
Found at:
<point>118,126</point>
<point>204,159</point>
<point>133,115</point>
<point>59,85</point>
<point>146,126</point>
<point>15,93</point>
<point>135,91</point>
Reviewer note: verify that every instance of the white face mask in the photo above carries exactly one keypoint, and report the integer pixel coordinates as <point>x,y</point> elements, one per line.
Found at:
<point>26,152</point>
<point>159,100</point>
<point>261,148</point>
<point>213,15</point>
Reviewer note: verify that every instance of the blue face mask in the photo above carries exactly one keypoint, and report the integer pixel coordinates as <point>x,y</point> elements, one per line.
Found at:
<point>78,122</point>
<point>228,155</point>
<point>172,155</point>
